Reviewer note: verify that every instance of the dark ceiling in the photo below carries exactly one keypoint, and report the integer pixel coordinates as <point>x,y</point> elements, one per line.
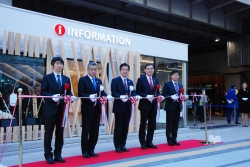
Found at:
<point>129,15</point>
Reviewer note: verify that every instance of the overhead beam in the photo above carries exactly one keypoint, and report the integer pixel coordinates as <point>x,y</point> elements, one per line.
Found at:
<point>56,7</point>
<point>236,9</point>
<point>219,3</point>
<point>194,1</point>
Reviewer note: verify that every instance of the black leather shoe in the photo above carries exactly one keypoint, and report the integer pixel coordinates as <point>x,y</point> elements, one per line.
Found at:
<point>151,145</point>
<point>237,122</point>
<point>50,160</point>
<point>170,144</point>
<point>59,159</point>
<point>143,147</point>
<point>125,149</point>
<point>93,154</point>
<point>118,150</point>
<point>86,155</point>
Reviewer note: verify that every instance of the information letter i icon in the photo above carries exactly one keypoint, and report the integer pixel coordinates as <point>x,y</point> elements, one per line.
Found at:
<point>59,29</point>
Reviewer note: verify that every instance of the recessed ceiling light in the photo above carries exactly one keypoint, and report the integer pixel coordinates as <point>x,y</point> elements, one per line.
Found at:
<point>217,39</point>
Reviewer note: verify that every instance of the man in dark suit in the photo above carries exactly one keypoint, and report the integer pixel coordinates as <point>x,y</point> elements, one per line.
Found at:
<point>53,85</point>
<point>121,108</point>
<point>89,86</point>
<point>172,107</point>
<point>146,87</point>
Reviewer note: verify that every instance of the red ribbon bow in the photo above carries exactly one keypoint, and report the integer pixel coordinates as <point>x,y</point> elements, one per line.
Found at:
<point>103,100</point>
<point>67,99</point>
<point>159,99</point>
<point>133,99</point>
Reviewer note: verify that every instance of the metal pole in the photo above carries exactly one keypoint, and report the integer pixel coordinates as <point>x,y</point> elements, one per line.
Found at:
<point>20,90</point>
<point>205,118</point>
<point>185,114</point>
<point>195,109</point>
<point>234,114</point>
<point>210,113</point>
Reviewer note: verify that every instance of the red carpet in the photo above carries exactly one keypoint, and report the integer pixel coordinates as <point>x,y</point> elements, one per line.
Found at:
<point>112,155</point>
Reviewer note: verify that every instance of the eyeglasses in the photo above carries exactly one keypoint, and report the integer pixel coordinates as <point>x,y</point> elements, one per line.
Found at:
<point>92,69</point>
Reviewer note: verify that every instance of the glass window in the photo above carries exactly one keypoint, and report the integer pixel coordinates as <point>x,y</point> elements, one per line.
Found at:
<point>21,72</point>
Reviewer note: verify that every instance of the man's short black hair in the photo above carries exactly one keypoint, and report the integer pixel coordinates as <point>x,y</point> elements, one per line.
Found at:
<point>149,64</point>
<point>124,64</point>
<point>57,59</point>
<point>91,64</point>
<point>175,71</point>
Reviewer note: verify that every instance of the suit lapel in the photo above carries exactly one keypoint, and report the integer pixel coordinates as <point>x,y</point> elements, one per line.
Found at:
<point>53,79</point>
<point>90,82</point>
<point>146,82</point>
<point>172,86</point>
<point>121,82</point>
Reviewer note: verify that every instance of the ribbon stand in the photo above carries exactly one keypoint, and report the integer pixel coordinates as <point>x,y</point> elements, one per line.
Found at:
<point>205,120</point>
<point>20,90</point>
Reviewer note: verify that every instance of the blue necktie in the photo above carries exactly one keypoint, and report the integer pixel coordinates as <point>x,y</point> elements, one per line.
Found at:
<point>59,82</point>
<point>94,84</point>
<point>176,88</point>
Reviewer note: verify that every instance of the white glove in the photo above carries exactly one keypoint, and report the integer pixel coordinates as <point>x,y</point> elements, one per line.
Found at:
<point>138,97</point>
<point>186,97</point>
<point>109,97</point>
<point>55,97</point>
<point>245,99</point>
<point>150,98</point>
<point>124,98</point>
<point>229,101</point>
<point>174,97</point>
<point>73,98</point>
<point>92,97</point>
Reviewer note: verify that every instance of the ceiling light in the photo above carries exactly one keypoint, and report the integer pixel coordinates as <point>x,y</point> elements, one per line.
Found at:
<point>217,39</point>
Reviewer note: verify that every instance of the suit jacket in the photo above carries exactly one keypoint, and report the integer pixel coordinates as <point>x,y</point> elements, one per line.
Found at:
<point>49,87</point>
<point>143,89</point>
<point>169,90</point>
<point>117,89</point>
<point>85,89</point>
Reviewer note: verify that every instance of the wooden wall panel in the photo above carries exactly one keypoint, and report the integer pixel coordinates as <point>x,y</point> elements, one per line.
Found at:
<point>25,43</point>
<point>44,47</point>
<point>37,47</point>
<point>4,41</point>
<point>11,42</point>
<point>18,44</point>
<point>31,46</point>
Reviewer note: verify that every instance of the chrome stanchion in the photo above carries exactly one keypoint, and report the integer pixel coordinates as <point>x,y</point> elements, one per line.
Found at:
<point>20,90</point>
<point>210,112</point>
<point>185,114</point>
<point>234,114</point>
<point>205,120</point>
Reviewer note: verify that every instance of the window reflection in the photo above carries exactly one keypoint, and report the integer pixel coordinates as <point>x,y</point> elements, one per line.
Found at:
<point>26,73</point>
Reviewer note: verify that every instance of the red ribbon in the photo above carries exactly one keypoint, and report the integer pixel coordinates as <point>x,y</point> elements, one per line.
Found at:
<point>103,101</point>
<point>159,100</point>
<point>65,110</point>
<point>133,100</point>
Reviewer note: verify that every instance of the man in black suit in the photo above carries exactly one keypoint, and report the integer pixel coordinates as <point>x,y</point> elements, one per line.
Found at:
<point>172,107</point>
<point>89,86</point>
<point>146,87</point>
<point>53,85</point>
<point>120,88</point>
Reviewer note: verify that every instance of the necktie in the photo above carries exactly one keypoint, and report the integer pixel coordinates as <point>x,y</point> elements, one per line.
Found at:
<point>150,84</point>
<point>125,85</point>
<point>94,84</point>
<point>59,82</point>
<point>176,88</point>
